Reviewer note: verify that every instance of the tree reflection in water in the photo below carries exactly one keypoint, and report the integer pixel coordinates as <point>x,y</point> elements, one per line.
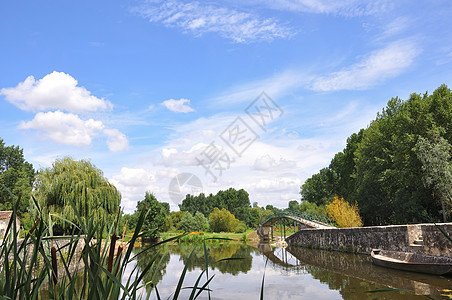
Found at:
<point>291,273</point>
<point>215,251</point>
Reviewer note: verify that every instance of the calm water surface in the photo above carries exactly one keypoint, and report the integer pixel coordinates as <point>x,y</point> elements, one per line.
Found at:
<point>291,273</point>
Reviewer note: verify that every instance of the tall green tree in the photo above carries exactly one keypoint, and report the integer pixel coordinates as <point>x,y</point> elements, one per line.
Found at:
<point>318,189</point>
<point>235,201</point>
<point>156,215</point>
<point>79,182</point>
<point>381,168</point>
<point>435,157</point>
<point>17,175</point>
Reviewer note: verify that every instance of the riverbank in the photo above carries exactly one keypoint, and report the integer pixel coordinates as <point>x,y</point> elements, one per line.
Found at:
<point>199,236</point>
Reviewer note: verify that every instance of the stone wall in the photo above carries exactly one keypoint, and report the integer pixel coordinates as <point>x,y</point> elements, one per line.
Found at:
<point>363,239</point>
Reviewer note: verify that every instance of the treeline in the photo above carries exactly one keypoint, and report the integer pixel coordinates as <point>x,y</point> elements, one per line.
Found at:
<point>226,211</point>
<point>398,170</point>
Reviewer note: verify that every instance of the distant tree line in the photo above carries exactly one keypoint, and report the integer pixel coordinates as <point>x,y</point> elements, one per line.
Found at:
<point>398,169</point>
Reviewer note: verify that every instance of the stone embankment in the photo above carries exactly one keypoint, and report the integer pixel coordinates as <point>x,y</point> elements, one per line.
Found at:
<point>425,238</point>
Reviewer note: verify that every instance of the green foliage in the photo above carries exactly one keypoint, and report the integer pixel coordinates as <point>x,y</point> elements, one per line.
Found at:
<point>173,221</point>
<point>312,208</point>
<point>435,158</point>
<point>187,223</point>
<point>241,227</point>
<point>156,214</point>
<point>384,168</point>
<point>222,220</point>
<point>318,189</point>
<point>42,263</point>
<point>16,175</point>
<point>237,202</point>
<point>201,222</point>
<point>79,182</point>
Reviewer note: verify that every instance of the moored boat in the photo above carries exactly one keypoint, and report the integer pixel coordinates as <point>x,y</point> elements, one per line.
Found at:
<point>413,262</point>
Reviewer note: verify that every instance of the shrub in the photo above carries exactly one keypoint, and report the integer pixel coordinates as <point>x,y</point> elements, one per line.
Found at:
<point>344,214</point>
<point>241,227</point>
<point>222,220</point>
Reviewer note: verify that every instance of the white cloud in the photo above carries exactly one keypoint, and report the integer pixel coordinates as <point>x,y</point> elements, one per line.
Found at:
<point>275,86</point>
<point>56,90</point>
<point>116,140</point>
<point>268,163</point>
<point>70,129</point>
<point>396,27</point>
<point>348,8</point>
<point>65,128</point>
<point>283,183</point>
<point>173,157</point>
<point>182,105</point>
<point>377,67</point>
<point>133,184</point>
<point>199,18</point>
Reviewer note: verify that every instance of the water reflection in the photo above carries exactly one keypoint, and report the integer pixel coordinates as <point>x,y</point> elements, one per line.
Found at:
<point>353,274</point>
<point>291,273</point>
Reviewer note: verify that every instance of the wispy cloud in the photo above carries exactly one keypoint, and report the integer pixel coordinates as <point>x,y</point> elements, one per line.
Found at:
<point>182,105</point>
<point>275,86</point>
<point>379,66</point>
<point>349,8</point>
<point>199,18</point>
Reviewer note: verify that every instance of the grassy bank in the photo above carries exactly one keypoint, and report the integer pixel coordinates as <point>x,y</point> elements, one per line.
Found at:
<point>200,236</point>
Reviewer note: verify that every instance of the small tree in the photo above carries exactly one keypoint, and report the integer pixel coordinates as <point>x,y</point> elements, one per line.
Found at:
<point>156,214</point>
<point>344,214</point>
<point>222,220</point>
<point>201,221</point>
<point>435,158</point>
<point>173,220</point>
<point>17,175</point>
<point>188,222</point>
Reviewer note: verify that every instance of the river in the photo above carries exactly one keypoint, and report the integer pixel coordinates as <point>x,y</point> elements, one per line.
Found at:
<point>291,273</point>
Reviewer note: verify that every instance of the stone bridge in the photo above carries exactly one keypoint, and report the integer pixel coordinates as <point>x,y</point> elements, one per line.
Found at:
<point>301,220</point>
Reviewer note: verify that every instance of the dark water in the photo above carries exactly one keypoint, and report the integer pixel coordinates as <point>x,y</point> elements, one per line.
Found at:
<point>291,273</point>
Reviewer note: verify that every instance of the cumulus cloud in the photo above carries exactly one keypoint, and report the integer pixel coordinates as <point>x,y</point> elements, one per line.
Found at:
<point>380,65</point>
<point>199,18</point>
<point>116,140</point>
<point>182,105</point>
<point>70,129</point>
<point>268,163</point>
<point>174,157</point>
<point>65,128</point>
<point>56,90</point>
<point>285,182</point>
<point>133,184</point>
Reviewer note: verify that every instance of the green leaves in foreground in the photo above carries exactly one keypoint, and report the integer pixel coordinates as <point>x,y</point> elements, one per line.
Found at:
<point>82,265</point>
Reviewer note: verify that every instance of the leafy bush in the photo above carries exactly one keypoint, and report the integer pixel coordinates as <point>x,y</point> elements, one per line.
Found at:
<point>241,227</point>
<point>344,214</point>
<point>222,220</point>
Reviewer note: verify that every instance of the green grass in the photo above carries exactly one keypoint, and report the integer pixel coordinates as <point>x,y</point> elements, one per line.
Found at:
<point>196,237</point>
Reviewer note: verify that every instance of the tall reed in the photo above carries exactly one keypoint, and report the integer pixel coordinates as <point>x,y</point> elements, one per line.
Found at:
<point>82,265</point>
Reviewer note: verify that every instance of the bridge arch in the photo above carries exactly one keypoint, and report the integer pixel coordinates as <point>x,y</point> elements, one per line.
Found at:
<point>300,219</point>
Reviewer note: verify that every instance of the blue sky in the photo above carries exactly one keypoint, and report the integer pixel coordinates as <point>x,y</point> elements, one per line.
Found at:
<point>148,89</point>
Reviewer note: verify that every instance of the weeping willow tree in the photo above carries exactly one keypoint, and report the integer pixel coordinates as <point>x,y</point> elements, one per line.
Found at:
<point>79,182</point>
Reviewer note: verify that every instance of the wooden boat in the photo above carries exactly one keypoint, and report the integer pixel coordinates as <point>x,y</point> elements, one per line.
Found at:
<point>413,262</point>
